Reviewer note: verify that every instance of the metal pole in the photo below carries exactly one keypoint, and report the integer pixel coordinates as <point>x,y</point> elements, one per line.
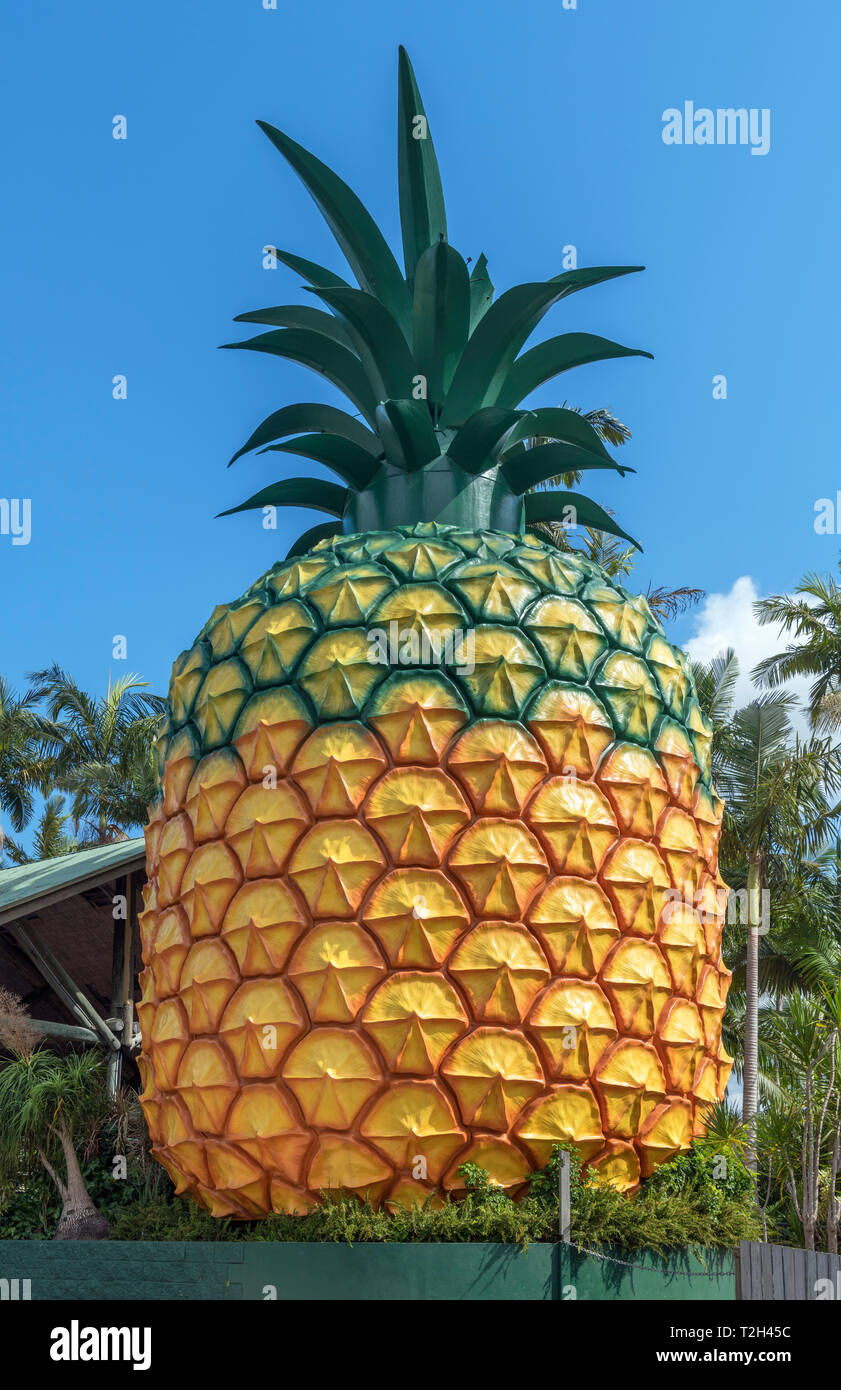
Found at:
<point>115,1059</point>
<point>564,1213</point>
<point>130,950</point>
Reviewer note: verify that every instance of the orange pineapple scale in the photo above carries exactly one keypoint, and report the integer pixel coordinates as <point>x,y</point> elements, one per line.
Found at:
<point>397,918</point>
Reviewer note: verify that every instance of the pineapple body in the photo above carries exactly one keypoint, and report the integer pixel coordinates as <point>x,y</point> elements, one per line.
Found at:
<point>402,916</point>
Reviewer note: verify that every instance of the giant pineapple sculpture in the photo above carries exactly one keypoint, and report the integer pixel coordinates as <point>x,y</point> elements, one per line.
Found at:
<point>432,876</point>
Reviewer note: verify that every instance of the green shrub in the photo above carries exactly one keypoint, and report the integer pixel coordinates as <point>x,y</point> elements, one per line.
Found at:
<point>481,1191</point>
<point>715,1178</point>
<point>32,1209</point>
<point>683,1205</point>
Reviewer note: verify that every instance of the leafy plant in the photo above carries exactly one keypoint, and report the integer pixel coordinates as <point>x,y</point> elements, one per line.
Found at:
<point>478,1184</point>
<point>48,1102</point>
<point>690,1207</point>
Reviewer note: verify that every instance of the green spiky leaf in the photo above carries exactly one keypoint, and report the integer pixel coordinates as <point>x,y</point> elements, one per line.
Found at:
<point>423,218</point>
<point>556,355</point>
<point>363,244</point>
<point>441,316</point>
<point>310,271</point>
<point>533,466</point>
<point>481,291</point>
<point>406,430</point>
<point>314,493</point>
<point>555,506</point>
<point>375,334</point>
<point>490,353</point>
<point>482,437</point>
<point>320,354</point>
<point>554,422</point>
<point>354,465</point>
<point>300,316</point>
<point>314,417</point>
<point>312,537</point>
<point>436,325</point>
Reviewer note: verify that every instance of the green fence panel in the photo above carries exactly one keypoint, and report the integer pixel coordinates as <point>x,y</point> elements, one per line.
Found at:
<point>679,1275</point>
<point>285,1271</point>
<point>121,1269</point>
<point>414,1270</point>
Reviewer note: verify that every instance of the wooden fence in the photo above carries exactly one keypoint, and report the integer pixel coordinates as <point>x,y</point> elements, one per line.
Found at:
<point>768,1272</point>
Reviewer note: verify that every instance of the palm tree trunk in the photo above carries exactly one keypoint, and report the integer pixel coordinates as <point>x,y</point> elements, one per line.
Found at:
<point>749,1093</point>
<point>80,1219</point>
<point>834,1205</point>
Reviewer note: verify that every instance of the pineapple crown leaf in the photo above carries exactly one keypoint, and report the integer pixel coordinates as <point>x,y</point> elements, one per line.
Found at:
<point>528,470</point>
<point>362,243</point>
<point>323,532</point>
<point>551,506</point>
<point>483,437</point>
<point>430,361</point>
<point>560,423</point>
<point>441,321</point>
<point>481,290</point>
<point>376,337</point>
<point>316,418</point>
<point>315,493</point>
<point>318,352</point>
<point>352,464</point>
<point>491,351</point>
<point>555,355</point>
<point>311,272</point>
<point>423,218</point>
<point>301,316</point>
<point>406,430</point>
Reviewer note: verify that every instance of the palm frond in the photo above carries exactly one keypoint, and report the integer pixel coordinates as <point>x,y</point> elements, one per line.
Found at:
<point>667,604</point>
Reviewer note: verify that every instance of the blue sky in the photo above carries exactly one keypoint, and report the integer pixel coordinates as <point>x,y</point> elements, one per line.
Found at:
<point>131,257</point>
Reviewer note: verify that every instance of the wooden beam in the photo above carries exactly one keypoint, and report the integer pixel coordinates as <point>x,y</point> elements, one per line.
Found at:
<point>58,1030</point>
<point>66,988</point>
<point>67,998</point>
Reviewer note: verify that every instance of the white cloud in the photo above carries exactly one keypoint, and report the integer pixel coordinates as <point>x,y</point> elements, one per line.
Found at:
<point>727,620</point>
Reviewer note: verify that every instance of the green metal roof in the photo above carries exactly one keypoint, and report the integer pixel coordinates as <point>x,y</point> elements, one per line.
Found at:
<point>22,888</point>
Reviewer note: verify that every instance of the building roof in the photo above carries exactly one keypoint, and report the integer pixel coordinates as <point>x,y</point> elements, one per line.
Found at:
<point>30,887</point>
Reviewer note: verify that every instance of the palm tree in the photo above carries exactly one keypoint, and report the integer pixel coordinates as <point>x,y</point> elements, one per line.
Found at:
<point>816,954</point>
<point>775,788</point>
<point>98,750</point>
<point>49,839</point>
<point>813,618</point>
<point>20,770</point>
<point>716,685</point>
<point>773,842</point>
<point>807,1043</point>
<point>776,1133</point>
<point>47,1103</point>
<point>667,604</point>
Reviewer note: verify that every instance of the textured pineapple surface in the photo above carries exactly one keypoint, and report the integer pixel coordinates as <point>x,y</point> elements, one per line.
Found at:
<point>402,916</point>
